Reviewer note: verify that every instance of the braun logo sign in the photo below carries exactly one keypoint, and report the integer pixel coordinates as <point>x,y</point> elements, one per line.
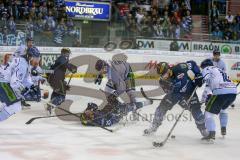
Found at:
<point>145,44</point>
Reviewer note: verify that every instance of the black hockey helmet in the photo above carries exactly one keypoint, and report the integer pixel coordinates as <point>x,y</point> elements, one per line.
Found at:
<point>162,68</point>
<point>205,63</point>
<point>92,106</point>
<point>100,64</point>
<point>65,51</point>
<point>216,52</point>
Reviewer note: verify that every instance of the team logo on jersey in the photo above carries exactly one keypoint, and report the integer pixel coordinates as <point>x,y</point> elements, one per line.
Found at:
<point>180,76</point>
<point>236,66</point>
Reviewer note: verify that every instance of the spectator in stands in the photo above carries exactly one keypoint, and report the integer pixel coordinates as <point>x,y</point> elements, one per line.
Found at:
<point>229,17</point>
<point>70,26</point>
<point>183,10</point>
<point>14,10</point>
<point>29,28</point>
<point>158,29</point>
<point>237,18</point>
<point>4,13</point>
<point>39,24</point>
<point>225,24</point>
<point>166,24</point>
<point>215,24</point>
<point>12,25</point>
<point>59,3</point>
<point>217,34</point>
<point>50,5</point>
<point>186,24</point>
<point>33,10</point>
<point>177,32</point>
<point>43,9</point>
<point>175,6</point>
<point>59,32</point>
<point>139,15</point>
<point>133,29</point>
<point>228,34</point>
<point>49,22</point>
<point>235,29</point>
<point>25,9</point>
<point>154,13</point>
<point>214,13</point>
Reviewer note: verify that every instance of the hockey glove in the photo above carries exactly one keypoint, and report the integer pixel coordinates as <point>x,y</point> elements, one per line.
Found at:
<point>199,81</point>
<point>98,80</point>
<point>34,72</point>
<point>111,85</point>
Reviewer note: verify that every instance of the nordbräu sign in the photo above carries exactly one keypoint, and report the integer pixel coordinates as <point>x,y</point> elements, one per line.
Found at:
<point>88,10</point>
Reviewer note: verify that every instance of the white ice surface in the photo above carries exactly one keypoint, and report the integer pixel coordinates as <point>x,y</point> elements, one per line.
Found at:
<point>54,139</point>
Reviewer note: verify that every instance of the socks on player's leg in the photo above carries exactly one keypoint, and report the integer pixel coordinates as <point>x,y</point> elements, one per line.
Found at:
<point>223,117</point>
<point>4,115</point>
<point>209,120</point>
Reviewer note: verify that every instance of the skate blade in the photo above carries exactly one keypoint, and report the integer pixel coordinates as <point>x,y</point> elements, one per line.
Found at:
<point>26,108</point>
<point>209,141</point>
<point>223,137</point>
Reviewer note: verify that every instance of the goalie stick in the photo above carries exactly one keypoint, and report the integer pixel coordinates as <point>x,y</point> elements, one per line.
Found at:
<point>160,144</point>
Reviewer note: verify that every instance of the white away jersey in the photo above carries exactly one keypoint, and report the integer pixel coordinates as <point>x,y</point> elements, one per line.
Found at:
<point>5,73</point>
<point>20,75</point>
<point>217,80</point>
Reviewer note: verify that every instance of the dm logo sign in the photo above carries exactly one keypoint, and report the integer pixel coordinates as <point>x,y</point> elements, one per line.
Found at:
<point>236,66</point>
<point>226,49</point>
<point>88,10</point>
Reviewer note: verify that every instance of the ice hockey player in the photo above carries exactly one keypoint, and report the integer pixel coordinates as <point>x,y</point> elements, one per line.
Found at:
<point>57,78</point>
<point>5,72</point>
<point>223,95</point>
<point>217,61</point>
<point>120,77</point>
<point>179,82</point>
<point>37,78</point>
<point>16,83</point>
<point>23,48</point>
<point>111,114</point>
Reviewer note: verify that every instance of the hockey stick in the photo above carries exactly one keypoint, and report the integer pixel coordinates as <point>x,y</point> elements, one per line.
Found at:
<point>145,96</point>
<point>238,84</point>
<point>70,79</point>
<point>35,118</point>
<point>160,144</point>
<point>70,113</point>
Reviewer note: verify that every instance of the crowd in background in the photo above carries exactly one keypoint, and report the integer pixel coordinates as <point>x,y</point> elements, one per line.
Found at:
<point>148,18</point>
<point>37,16</point>
<point>224,28</point>
<point>163,19</point>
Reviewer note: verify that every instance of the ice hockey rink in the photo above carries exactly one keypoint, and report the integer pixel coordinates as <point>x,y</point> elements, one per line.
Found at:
<point>55,139</point>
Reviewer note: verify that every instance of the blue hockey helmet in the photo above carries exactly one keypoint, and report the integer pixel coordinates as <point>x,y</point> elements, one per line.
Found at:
<point>33,52</point>
<point>205,63</point>
<point>29,39</point>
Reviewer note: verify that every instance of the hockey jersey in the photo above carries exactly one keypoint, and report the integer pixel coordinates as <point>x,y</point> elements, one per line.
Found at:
<point>218,81</point>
